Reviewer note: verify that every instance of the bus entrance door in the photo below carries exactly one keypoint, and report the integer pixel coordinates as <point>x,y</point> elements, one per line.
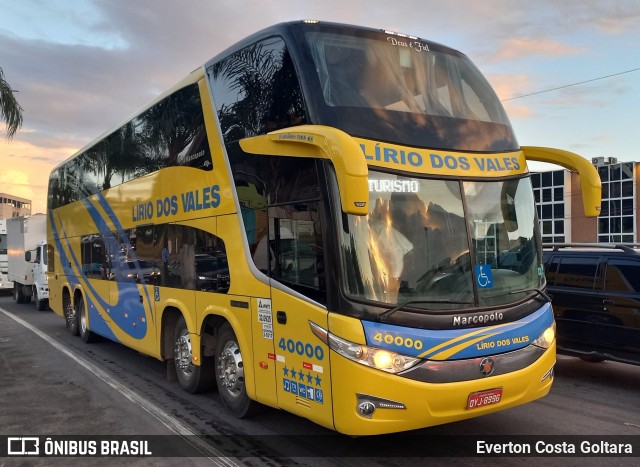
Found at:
<point>303,379</point>
<point>303,376</point>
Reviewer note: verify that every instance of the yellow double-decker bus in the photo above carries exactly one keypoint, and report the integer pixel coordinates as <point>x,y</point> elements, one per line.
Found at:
<point>326,219</point>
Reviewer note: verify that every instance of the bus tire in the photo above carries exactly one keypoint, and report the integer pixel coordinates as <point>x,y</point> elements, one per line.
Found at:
<point>71,317</point>
<point>230,375</point>
<point>86,334</point>
<point>192,378</point>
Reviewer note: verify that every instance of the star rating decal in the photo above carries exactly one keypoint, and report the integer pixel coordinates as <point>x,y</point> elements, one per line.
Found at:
<point>300,376</point>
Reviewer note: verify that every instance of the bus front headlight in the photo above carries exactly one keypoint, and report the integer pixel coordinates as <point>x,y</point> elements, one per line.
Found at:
<point>545,339</point>
<point>374,357</point>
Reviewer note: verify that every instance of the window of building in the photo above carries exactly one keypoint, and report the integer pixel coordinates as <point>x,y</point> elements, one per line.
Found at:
<point>548,189</point>
<point>617,220</point>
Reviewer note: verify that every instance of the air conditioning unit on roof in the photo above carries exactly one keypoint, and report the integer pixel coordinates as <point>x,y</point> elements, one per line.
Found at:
<point>612,160</point>
<point>597,161</point>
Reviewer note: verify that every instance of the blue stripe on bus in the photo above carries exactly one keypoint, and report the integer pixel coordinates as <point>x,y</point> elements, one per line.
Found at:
<point>127,313</point>
<point>114,220</point>
<point>459,343</point>
<point>74,281</point>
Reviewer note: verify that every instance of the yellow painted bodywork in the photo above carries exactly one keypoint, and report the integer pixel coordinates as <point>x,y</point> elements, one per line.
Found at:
<point>442,163</point>
<point>322,142</point>
<point>286,365</point>
<point>427,404</point>
<point>590,183</point>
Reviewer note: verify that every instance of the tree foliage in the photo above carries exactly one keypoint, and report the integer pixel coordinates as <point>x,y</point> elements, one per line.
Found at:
<point>10,110</point>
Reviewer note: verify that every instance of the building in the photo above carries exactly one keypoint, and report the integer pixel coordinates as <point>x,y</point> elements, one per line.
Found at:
<point>14,206</point>
<point>561,213</point>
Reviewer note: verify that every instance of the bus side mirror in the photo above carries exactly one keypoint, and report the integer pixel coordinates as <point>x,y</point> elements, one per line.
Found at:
<point>590,183</point>
<point>27,256</point>
<point>322,142</point>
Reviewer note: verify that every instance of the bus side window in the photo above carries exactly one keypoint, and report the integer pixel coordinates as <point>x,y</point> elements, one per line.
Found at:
<point>296,250</point>
<point>179,258</point>
<point>212,268</point>
<point>92,255</point>
<point>148,254</point>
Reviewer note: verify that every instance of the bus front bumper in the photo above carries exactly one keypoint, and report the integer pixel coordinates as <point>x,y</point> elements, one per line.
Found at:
<point>370,402</point>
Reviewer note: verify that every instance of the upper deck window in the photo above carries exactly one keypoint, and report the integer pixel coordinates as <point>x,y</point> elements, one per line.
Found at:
<point>256,90</point>
<point>168,134</point>
<point>401,75</point>
<point>391,88</point>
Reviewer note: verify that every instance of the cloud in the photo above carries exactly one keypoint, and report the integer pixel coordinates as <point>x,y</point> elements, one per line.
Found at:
<point>608,16</point>
<point>523,47</point>
<point>115,60</point>
<point>17,183</point>
<point>506,86</point>
<point>26,169</point>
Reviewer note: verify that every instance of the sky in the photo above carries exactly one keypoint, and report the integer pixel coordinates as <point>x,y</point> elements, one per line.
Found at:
<point>81,67</point>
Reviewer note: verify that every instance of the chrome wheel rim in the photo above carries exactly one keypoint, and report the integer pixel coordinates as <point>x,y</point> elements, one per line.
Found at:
<point>71,314</point>
<point>231,369</point>
<point>182,352</point>
<point>83,323</point>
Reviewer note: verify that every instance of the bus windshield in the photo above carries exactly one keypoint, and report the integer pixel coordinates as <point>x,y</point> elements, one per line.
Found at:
<point>411,86</point>
<point>453,244</point>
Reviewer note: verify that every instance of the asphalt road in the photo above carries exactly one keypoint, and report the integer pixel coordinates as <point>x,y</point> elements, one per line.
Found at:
<point>53,384</point>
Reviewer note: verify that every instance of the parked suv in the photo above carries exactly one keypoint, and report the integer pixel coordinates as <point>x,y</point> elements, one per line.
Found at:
<point>595,293</point>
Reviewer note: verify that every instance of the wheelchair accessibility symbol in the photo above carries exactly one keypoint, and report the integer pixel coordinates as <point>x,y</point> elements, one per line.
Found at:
<point>484,278</point>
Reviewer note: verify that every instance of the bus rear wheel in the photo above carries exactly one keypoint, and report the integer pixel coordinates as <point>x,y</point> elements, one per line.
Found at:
<point>230,375</point>
<point>71,317</point>
<point>192,378</point>
<point>86,334</point>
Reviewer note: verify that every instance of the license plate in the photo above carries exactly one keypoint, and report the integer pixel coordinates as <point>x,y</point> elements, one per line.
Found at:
<point>482,398</point>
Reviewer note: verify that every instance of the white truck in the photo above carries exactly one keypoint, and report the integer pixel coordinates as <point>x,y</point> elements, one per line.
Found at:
<point>27,257</point>
<point>5,284</point>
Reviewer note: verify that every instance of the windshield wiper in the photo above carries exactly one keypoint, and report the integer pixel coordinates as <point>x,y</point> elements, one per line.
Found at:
<point>534,289</point>
<point>384,317</point>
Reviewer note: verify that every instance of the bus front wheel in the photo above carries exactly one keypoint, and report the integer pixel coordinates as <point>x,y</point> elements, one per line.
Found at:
<point>230,375</point>
<point>192,378</point>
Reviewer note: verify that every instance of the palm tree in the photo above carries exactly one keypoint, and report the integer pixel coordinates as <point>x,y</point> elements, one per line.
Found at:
<point>10,110</point>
